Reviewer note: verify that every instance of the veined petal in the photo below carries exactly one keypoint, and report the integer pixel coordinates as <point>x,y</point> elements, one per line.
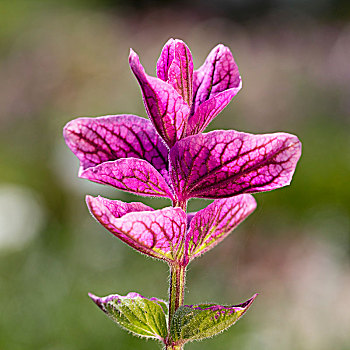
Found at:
<point>131,175</point>
<point>226,163</point>
<point>175,66</point>
<point>218,73</point>
<point>164,105</point>
<point>190,216</point>
<point>213,223</point>
<point>98,140</point>
<point>115,207</point>
<point>208,110</point>
<point>165,59</point>
<point>158,233</point>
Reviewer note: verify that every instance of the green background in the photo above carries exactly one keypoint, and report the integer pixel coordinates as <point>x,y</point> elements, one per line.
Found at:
<point>60,60</point>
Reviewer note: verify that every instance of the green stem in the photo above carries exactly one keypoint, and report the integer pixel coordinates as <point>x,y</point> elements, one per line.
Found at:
<point>177,287</point>
<point>174,347</point>
<point>176,296</point>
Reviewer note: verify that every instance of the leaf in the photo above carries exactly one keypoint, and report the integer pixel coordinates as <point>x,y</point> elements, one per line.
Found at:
<point>218,73</point>
<point>227,163</point>
<point>165,59</point>
<point>131,175</point>
<point>158,233</point>
<point>115,207</point>
<point>196,322</point>
<point>135,313</point>
<point>215,83</point>
<point>212,224</point>
<point>164,105</point>
<point>208,110</point>
<point>98,140</point>
<point>175,66</point>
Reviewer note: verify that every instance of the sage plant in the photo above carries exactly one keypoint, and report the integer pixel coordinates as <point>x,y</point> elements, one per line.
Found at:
<point>170,156</point>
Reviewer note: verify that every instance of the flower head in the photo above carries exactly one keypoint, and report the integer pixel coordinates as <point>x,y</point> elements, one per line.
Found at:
<point>169,156</point>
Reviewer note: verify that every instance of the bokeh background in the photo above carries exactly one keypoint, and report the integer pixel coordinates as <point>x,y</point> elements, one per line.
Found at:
<point>63,59</point>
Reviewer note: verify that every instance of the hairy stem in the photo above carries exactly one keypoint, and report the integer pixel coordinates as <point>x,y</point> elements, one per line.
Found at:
<point>176,296</point>
<point>174,347</point>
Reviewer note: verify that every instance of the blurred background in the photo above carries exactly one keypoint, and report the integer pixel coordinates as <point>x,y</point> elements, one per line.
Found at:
<point>63,59</point>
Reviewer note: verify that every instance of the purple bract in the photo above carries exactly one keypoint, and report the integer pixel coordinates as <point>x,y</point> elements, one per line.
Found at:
<point>169,234</point>
<point>169,156</point>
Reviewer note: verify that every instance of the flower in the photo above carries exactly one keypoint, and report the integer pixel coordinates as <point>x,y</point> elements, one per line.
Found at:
<point>169,156</point>
<point>157,158</point>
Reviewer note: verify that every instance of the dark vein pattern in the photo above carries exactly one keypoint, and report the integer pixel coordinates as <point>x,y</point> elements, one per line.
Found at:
<point>218,73</point>
<point>98,140</point>
<point>175,66</point>
<point>165,59</point>
<point>131,175</point>
<point>208,110</point>
<point>221,164</point>
<point>213,223</point>
<point>214,86</point>
<point>164,105</point>
<point>158,233</point>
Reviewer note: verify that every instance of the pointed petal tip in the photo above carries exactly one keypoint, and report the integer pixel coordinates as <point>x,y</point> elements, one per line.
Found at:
<point>245,305</point>
<point>132,52</point>
<point>249,302</point>
<point>133,58</point>
<point>253,297</point>
<point>95,299</point>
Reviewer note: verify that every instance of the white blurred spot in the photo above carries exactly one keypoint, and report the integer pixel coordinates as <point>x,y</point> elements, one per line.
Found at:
<point>21,216</point>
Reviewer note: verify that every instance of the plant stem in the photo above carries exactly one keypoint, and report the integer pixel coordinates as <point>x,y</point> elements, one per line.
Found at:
<point>174,347</point>
<point>180,204</point>
<point>176,296</point>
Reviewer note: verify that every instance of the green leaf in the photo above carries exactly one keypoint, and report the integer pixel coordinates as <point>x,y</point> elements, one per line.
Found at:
<point>195,322</point>
<point>135,313</point>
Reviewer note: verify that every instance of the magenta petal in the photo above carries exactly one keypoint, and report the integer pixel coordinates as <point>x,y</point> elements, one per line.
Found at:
<point>226,163</point>
<point>131,175</point>
<point>98,140</point>
<point>218,73</point>
<point>158,233</point>
<point>118,208</point>
<point>190,216</point>
<point>165,106</point>
<point>208,110</point>
<point>165,59</point>
<point>213,223</point>
<point>175,66</point>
